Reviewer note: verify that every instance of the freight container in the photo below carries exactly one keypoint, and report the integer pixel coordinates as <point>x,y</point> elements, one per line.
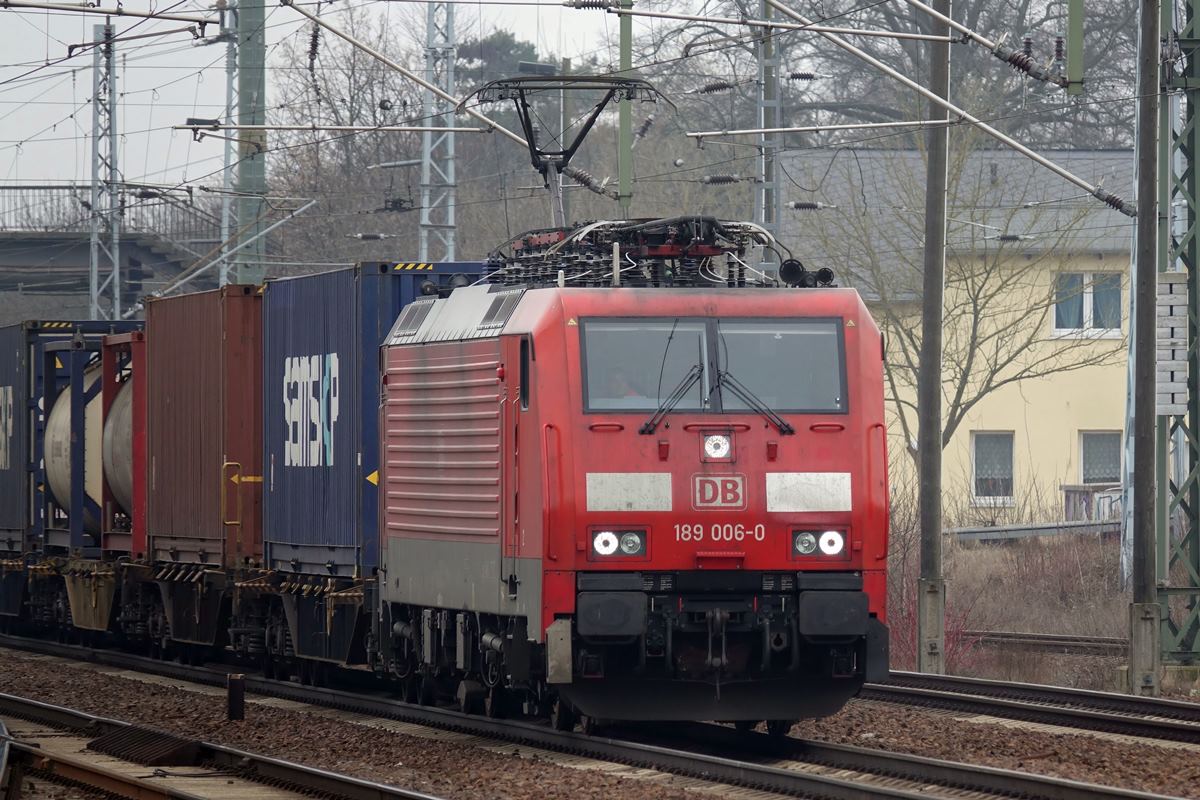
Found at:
<point>321,397</point>
<point>204,442</point>
<point>36,362</point>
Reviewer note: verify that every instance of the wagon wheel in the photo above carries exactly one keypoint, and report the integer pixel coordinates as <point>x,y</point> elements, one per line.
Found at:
<point>426,690</point>
<point>495,703</point>
<point>779,727</point>
<point>410,688</point>
<point>562,716</point>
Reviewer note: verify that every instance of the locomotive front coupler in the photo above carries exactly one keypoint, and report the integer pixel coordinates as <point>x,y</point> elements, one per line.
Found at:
<point>717,619</point>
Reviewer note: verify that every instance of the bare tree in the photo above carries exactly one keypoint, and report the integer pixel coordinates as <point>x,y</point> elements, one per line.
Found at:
<point>324,81</point>
<point>1000,292</point>
<point>846,89</point>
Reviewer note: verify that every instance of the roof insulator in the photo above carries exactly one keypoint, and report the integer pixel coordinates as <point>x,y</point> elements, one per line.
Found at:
<point>715,87</point>
<point>642,130</point>
<point>587,180</point>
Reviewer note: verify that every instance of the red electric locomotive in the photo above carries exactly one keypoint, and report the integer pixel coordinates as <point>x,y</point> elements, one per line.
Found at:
<point>633,478</point>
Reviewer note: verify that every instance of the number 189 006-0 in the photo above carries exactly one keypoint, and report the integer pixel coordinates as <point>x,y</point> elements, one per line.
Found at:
<point>719,532</point>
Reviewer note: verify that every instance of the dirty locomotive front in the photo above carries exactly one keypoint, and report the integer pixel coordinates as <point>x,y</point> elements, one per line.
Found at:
<point>647,489</point>
<point>614,473</point>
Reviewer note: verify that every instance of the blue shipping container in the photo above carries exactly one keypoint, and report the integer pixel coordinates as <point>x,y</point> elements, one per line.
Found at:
<point>321,337</point>
<point>23,411</point>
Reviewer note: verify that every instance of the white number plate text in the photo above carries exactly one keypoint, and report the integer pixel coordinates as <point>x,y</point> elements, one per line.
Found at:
<point>719,532</point>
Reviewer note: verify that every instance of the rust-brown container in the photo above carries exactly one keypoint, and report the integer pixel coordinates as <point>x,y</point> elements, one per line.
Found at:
<point>204,403</point>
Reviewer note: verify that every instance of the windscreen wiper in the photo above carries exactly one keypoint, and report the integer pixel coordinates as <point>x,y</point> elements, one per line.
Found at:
<point>750,399</point>
<point>680,391</point>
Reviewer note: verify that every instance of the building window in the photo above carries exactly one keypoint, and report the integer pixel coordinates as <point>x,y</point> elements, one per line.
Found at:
<point>1087,302</point>
<point>1100,459</point>
<point>992,456</point>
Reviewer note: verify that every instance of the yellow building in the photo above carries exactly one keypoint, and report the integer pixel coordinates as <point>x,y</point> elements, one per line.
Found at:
<point>1035,319</point>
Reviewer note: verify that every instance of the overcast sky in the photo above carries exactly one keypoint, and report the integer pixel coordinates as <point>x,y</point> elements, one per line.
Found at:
<point>46,120</point>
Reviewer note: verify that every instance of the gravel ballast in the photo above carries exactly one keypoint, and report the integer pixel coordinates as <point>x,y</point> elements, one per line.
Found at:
<point>444,769</point>
<point>455,770</point>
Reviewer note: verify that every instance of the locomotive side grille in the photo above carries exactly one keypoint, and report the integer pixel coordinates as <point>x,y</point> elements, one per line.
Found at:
<point>442,440</point>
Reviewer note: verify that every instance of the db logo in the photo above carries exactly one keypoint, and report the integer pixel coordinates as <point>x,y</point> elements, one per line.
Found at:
<point>718,491</point>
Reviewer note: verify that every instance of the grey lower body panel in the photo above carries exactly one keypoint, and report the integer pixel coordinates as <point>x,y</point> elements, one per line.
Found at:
<point>462,576</point>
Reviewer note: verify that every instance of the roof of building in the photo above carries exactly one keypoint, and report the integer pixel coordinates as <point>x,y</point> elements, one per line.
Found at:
<point>997,199</point>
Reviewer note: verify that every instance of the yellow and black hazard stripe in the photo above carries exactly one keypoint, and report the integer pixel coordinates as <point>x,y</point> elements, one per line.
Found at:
<point>57,324</point>
<point>411,266</point>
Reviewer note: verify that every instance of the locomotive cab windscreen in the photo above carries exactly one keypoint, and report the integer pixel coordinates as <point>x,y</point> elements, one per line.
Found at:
<point>787,365</point>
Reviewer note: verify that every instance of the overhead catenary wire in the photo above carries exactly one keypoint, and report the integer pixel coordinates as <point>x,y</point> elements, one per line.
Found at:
<point>1017,59</point>
<point>401,69</point>
<point>762,23</point>
<point>820,128</point>
<point>201,127</point>
<point>119,11</point>
<point>1107,198</point>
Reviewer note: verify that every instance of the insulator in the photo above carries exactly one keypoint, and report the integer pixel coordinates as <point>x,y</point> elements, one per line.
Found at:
<point>1058,48</point>
<point>1027,46</point>
<point>643,129</point>
<point>809,205</point>
<point>716,87</point>
<point>314,46</point>
<point>585,178</point>
<point>1020,61</point>
<point>803,76</point>
<point>718,180</point>
<point>580,176</point>
<point>598,5</point>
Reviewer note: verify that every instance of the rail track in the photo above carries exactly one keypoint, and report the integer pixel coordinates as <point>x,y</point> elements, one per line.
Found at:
<point>98,754</point>
<point>781,765</point>
<point>1146,717</point>
<point>1051,642</point>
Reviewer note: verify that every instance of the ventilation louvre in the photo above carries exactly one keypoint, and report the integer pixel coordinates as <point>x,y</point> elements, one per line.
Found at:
<point>413,315</point>
<point>500,310</point>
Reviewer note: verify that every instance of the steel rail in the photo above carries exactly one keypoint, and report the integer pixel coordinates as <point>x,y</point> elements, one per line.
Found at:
<point>1055,642</point>
<point>1151,707</point>
<point>56,767</point>
<point>1148,718</point>
<point>871,764</point>
<point>250,766</point>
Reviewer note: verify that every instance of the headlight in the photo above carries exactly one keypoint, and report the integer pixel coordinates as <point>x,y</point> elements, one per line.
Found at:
<point>831,542</point>
<point>717,445</point>
<point>805,543</point>
<point>619,543</point>
<point>632,543</point>
<point>605,543</point>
